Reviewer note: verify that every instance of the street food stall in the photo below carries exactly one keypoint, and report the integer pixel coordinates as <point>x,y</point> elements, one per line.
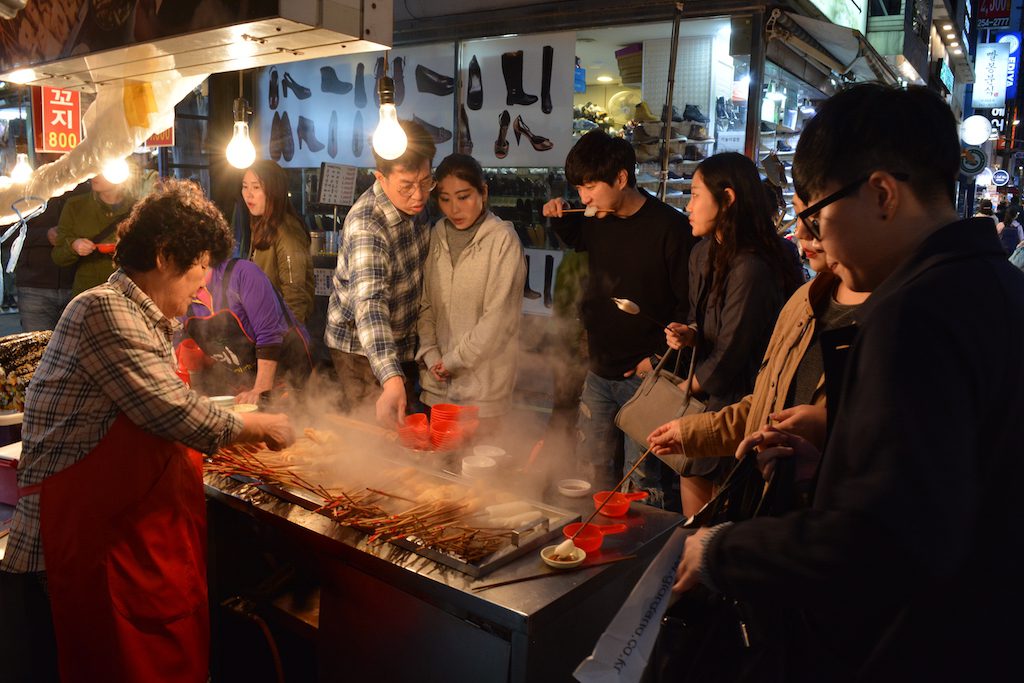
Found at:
<point>374,603</point>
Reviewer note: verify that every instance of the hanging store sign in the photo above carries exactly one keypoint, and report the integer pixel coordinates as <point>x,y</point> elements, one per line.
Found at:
<point>844,13</point>
<point>1013,65</point>
<point>164,138</point>
<point>1000,178</point>
<point>972,160</point>
<point>946,75</point>
<point>57,117</point>
<point>993,13</point>
<point>990,75</point>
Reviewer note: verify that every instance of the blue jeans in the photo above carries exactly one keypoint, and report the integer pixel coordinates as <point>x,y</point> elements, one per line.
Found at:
<point>40,308</point>
<point>599,439</point>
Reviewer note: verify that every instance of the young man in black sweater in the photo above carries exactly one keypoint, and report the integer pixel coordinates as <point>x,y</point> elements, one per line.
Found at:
<point>637,248</point>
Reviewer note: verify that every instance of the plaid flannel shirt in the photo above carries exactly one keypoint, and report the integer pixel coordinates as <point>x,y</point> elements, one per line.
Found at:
<point>111,353</point>
<point>375,302</point>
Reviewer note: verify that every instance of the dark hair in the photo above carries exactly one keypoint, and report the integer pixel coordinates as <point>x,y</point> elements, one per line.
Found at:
<point>985,206</point>
<point>874,127</point>
<point>598,157</point>
<point>744,224</point>
<point>1012,211</point>
<point>278,207</point>
<point>463,167</point>
<point>420,148</point>
<point>176,221</point>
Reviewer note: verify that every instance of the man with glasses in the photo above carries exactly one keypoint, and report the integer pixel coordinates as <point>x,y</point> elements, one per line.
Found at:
<point>907,565</point>
<point>371,317</point>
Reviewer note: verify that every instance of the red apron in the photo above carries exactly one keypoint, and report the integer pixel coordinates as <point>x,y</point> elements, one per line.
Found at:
<point>124,540</point>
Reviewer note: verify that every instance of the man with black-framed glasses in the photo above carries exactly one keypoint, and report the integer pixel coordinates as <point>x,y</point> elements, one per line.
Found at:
<point>907,565</point>
<point>371,316</point>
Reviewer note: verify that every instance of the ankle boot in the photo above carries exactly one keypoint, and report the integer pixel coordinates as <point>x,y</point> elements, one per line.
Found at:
<point>545,83</point>
<point>357,135</point>
<point>528,292</point>
<point>549,272</point>
<point>332,136</point>
<point>438,133</point>
<point>429,81</point>
<point>539,142</point>
<point>512,69</point>
<point>360,86</point>
<point>378,73</point>
<point>300,91</point>
<point>676,116</point>
<point>272,94</point>
<point>475,91</point>
<point>465,139</point>
<point>501,144</point>
<point>306,132</point>
<point>398,76</point>
<point>692,112</point>
<point>329,81</point>
<point>644,113</point>
<point>276,140</point>
<point>287,142</point>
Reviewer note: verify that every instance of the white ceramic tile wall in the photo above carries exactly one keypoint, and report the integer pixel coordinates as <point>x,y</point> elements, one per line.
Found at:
<point>693,73</point>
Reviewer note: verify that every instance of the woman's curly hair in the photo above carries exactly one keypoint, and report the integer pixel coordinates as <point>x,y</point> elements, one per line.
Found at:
<point>177,221</point>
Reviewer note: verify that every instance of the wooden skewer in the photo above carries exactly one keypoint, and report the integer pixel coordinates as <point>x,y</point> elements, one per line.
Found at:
<point>613,492</point>
<point>584,210</point>
<point>554,572</point>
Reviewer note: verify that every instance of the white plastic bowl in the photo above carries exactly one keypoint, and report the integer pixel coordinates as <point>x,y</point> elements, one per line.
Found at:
<point>574,488</point>
<point>478,465</point>
<point>485,451</point>
<point>226,402</point>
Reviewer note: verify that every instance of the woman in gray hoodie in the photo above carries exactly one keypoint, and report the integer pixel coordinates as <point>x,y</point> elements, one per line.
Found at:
<point>472,290</point>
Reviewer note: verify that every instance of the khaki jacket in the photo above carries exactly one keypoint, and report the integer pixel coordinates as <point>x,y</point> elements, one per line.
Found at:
<point>289,266</point>
<point>719,433</point>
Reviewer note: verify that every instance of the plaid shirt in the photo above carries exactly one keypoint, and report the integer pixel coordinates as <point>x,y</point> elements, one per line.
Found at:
<point>111,353</point>
<point>375,302</point>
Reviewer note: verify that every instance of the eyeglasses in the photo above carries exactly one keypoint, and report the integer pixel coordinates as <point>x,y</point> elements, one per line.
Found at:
<point>425,186</point>
<point>813,225</point>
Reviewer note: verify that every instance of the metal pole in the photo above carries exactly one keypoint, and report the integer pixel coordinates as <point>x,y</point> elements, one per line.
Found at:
<point>666,115</point>
<point>756,72</point>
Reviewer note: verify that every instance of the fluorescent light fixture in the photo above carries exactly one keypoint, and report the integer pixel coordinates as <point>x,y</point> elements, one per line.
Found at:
<point>605,79</point>
<point>958,51</point>
<point>22,76</point>
<point>947,27</point>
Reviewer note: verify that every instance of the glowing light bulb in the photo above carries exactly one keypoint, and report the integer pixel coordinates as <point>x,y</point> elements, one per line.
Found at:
<point>389,140</point>
<point>116,171</point>
<point>240,152</point>
<point>5,182</point>
<point>22,170</point>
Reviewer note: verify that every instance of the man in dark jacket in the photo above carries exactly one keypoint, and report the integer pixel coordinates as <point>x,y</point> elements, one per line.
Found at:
<point>907,565</point>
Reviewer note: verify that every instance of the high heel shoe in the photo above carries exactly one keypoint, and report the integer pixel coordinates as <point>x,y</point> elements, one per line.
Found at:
<point>438,133</point>
<point>306,132</point>
<point>475,92</point>
<point>539,142</point>
<point>429,81</point>
<point>332,136</point>
<point>300,91</point>
<point>465,139</point>
<point>272,95</point>
<point>398,76</point>
<point>501,144</point>
<point>329,82</point>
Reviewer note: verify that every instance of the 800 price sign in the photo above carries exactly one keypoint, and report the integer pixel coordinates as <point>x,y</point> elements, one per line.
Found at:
<point>57,118</point>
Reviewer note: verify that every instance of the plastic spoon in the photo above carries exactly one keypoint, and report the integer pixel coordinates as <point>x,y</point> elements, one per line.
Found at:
<point>627,306</point>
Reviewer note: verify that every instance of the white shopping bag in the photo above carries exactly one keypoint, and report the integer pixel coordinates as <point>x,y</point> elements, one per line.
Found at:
<point>621,653</point>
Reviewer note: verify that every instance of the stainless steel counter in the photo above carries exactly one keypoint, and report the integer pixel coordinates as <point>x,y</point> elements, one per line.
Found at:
<point>386,614</point>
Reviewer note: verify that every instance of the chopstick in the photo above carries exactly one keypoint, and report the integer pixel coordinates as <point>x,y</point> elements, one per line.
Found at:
<point>613,492</point>
<point>583,210</point>
<point>531,577</point>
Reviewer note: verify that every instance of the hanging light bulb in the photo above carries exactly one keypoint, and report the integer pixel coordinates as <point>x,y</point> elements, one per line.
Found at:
<point>240,151</point>
<point>116,171</point>
<point>22,170</point>
<point>389,140</point>
<point>5,182</point>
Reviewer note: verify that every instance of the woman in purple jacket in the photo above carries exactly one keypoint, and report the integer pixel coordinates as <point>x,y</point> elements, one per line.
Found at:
<point>251,338</point>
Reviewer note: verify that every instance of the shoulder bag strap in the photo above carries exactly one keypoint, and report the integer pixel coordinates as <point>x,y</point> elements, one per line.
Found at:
<point>225,282</point>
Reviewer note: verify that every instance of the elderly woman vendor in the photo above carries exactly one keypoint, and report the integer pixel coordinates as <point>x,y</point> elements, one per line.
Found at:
<point>112,515</point>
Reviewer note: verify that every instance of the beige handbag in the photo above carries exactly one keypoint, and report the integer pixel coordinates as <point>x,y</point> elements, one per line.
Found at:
<point>658,400</point>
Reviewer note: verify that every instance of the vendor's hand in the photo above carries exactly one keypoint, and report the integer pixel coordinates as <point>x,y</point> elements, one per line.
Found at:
<point>272,429</point>
<point>678,335</point>
<point>641,369</point>
<point>51,236</point>
<point>250,396</point>
<point>83,247</point>
<point>391,404</point>
<point>666,439</point>
<point>439,372</point>
<point>553,208</point>
<point>770,444</point>
<point>688,571</point>
<point>807,421</point>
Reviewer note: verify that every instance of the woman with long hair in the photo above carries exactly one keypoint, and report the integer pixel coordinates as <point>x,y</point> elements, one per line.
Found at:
<point>472,290</point>
<point>740,275</point>
<point>280,243</point>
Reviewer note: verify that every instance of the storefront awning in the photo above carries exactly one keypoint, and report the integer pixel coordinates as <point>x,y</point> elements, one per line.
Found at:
<point>840,49</point>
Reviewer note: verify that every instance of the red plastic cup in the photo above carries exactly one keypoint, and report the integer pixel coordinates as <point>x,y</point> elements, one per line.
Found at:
<point>619,503</point>
<point>592,537</point>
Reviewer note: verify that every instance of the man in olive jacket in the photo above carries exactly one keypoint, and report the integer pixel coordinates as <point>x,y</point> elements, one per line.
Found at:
<point>907,565</point>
